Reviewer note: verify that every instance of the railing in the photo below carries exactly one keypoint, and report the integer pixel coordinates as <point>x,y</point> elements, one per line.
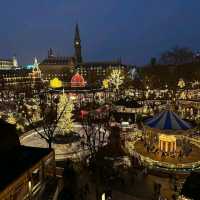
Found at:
<point>58,189</point>
<point>59,172</point>
<point>168,166</point>
<point>152,163</point>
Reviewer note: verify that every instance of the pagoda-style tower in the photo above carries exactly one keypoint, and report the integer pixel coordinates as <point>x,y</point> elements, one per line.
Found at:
<point>77,45</point>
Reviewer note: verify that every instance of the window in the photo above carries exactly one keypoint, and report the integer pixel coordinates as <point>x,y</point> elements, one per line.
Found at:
<point>35,177</point>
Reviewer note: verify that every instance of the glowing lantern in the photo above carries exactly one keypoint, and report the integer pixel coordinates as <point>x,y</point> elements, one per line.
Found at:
<point>55,83</point>
<point>78,81</point>
<point>103,197</point>
<point>105,83</point>
<point>11,119</point>
<point>181,83</point>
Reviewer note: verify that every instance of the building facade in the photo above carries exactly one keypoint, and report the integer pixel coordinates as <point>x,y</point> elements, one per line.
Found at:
<point>95,72</point>
<point>60,67</point>
<point>21,79</point>
<point>24,171</point>
<point>7,64</point>
<point>65,67</point>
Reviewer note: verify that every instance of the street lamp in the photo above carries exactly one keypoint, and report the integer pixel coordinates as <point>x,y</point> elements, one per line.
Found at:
<point>103,197</point>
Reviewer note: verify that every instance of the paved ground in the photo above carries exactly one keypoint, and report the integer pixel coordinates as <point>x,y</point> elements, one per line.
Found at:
<point>119,196</point>
<point>139,188</point>
<point>62,151</point>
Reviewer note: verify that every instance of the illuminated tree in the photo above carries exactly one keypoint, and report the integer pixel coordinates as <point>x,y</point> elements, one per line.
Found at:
<point>181,83</point>
<point>106,83</point>
<point>65,106</point>
<point>11,119</point>
<point>116,78</point>
<point>49,117</point>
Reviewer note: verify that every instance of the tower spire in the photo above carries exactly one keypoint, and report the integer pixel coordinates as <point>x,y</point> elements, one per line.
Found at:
<point>35,65</point>
<point>77,33</point>
<point>77,45</point>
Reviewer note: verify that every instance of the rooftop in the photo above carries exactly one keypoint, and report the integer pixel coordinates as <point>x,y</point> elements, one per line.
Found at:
<point>168,120</point>
<point>15,159</point>
<point>7,60</point>
<point>128,103</point>
<point>57,60</point>
<point>105,63</point>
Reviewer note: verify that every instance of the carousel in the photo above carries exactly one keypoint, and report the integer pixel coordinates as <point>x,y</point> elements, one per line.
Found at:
<point>164,130</point>
<point>167,143</point>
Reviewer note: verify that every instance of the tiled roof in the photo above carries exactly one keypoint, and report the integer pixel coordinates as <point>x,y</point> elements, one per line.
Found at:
<point>57,61</point>
<point>8,60</point>
<point>107,63</point>
<point>14,71</point>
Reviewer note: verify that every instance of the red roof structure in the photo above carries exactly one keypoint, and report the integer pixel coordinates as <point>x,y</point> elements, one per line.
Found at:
<point>78,81</point>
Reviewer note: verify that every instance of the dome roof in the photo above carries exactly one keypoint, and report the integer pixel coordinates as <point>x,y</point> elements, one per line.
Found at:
<point>77,80</point>
<point>167,120</point>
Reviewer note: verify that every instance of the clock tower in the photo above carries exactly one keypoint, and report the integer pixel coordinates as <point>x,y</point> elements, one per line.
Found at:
<point>77,45</point>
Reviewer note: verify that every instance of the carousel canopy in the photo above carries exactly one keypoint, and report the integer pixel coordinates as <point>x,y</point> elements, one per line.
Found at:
<point>168,120</point>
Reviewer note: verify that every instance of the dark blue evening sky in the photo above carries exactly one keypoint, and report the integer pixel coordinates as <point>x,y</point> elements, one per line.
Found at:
<point>134,30</point>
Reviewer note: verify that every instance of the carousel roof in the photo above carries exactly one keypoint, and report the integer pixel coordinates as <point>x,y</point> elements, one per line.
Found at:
<point>168,120</point>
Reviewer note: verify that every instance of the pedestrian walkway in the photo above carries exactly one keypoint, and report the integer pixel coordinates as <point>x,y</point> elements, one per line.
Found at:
<point>116,195</point>
<point>137,191</point>
<point>122,196</point>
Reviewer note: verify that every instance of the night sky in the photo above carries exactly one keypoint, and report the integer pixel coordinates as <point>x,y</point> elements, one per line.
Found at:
<point>134,30</point>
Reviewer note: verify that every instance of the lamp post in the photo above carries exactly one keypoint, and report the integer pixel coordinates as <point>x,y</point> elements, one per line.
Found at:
<point>103,197</point>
